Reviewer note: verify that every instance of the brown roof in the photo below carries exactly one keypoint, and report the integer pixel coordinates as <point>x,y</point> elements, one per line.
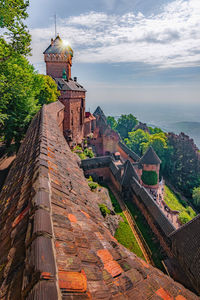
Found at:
<point>53,241</point>
<point>69,85</point>
<point>57,47</point>
<point>150,157</point>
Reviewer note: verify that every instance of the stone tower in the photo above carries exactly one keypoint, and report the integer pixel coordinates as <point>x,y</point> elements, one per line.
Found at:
<point>150,163</point>
<point>58,59</point>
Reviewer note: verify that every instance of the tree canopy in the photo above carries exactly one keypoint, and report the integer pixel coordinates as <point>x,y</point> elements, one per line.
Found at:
<point>196,196</point>
<point>125,124</point>
<point>22,90</point>
<point>112,122</point>
<point>12,16</point>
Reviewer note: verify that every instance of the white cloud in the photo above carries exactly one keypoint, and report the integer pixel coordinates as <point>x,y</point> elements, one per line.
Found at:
<point>168,39</point>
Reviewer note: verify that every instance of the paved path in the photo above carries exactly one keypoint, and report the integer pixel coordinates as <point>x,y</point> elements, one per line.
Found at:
<point>144,248</point>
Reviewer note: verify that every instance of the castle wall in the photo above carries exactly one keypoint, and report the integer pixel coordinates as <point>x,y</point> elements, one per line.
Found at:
<point>123,154</point>
<point>55,69</point>
<point>73,126</point>
<point>152,223</point>
<point>87,128</point>
<point>109,144</point>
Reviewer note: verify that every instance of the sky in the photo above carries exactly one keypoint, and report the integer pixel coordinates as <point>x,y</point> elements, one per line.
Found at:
<point>132,56</point>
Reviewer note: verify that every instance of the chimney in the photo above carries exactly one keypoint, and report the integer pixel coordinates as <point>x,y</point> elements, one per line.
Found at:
<point>75,79</point>
<point>51,41</point>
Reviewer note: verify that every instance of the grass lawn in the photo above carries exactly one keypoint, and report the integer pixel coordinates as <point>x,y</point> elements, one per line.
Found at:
<point>175,203</point>
<point>124,234</point>
<point>148,235</point>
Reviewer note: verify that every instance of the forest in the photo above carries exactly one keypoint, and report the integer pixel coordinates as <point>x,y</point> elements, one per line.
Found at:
<point>179,155</point>
<point>22,90</point>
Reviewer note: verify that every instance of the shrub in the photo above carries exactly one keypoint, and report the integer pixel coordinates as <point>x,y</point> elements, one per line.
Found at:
<point>92,185</point>
<point>89,153</point>
<point>104,210</point>
<point>149,177</point>
<point>184,217</point>
<point>81,155</point>
<point>190,211</point>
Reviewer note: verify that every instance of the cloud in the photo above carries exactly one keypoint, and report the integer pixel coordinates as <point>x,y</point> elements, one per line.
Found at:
<point>168,39</point>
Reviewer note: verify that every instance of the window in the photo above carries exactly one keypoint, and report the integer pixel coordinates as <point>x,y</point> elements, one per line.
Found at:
<point>81,116</point>
<point>82,102</point>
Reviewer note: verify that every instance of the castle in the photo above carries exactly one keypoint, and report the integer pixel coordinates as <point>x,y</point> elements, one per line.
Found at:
<point>79,124</point>
<point>58,59</point>
<point>53,240</point>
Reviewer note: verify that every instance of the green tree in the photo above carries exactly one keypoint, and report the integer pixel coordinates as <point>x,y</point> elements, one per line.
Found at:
<point>154,130</point>
<point>159,143</point>
<point>137,140</point>
<point>112,122</point>
<point>12,16</point>
<point>196,196</point>
<point>22,92</point>
<point>183,163</point>
<point>47,89</point>
<point>17,97</point>
<point>126,124</point>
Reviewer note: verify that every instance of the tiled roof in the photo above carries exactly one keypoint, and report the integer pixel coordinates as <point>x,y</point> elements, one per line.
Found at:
<point>99,112</point>
<point>186,246</point>
<point>57,46</point>
<point>150,157</point>
<point>69,85</point>
<point>129,172</point>
<point>53,242</point>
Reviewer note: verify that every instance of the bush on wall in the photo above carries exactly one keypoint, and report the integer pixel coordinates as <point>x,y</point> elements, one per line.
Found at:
<point>149,177</point>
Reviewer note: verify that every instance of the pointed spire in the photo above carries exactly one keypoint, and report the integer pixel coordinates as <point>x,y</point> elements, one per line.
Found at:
<point>150,157</point>
<point>129,172</point>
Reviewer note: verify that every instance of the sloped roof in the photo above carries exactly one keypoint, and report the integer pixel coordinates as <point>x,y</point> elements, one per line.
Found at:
<point>186,246</point>
<point>99,112</point>
<point>150,157</point>
<point>129,173</point>
<point>53,241</point>
<point>69,85</point>
<point>57,47</point>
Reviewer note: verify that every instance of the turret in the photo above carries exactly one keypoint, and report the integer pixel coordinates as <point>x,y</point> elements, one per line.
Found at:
<point>58,59</point>
<point>150,163</point>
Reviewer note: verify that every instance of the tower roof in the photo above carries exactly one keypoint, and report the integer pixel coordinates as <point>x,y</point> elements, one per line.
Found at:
<point>129,172</point>
<point>99,112</point>
<point>57,47</point>
<point>150,157</point>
